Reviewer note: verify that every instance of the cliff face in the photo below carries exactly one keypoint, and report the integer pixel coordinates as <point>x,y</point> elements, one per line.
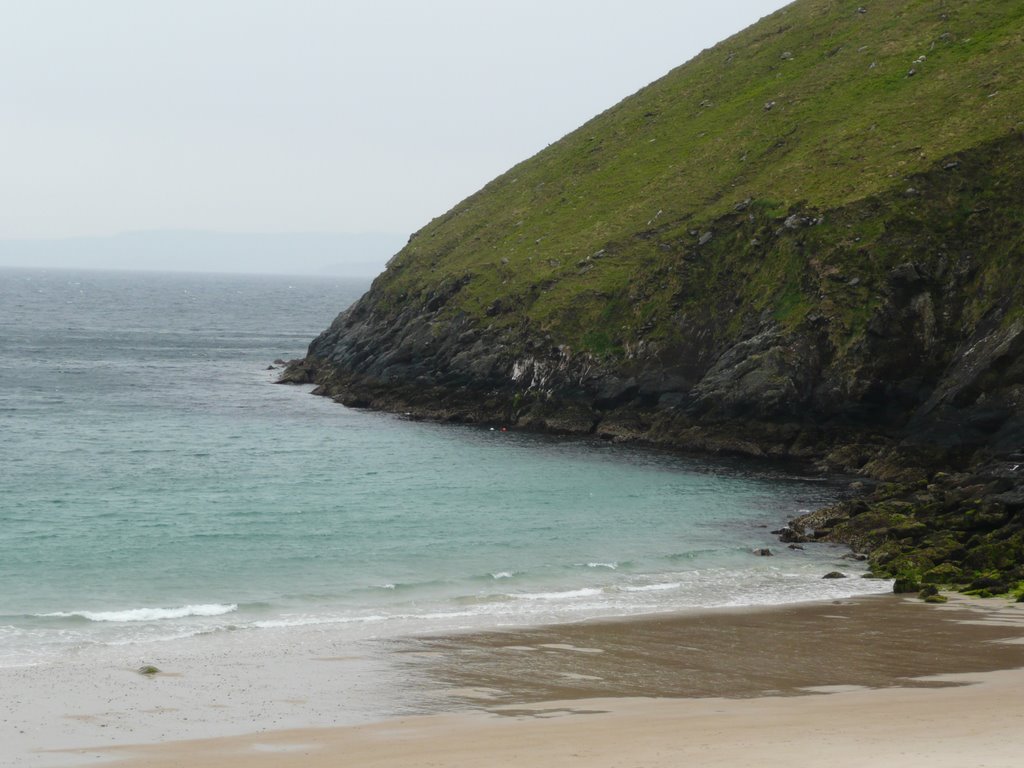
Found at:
<point>805,242</point>
<point>903,319</point>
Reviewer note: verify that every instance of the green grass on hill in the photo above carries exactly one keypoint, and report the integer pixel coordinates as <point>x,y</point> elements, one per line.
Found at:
<point>631,219</point>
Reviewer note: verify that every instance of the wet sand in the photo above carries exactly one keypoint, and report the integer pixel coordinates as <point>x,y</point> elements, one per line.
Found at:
<point>881,679</point>
<point>875,642</point>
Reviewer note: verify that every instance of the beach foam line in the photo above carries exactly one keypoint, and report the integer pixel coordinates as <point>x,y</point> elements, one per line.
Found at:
<point>660,587</point>
<point>145,614</point>
<point>313,621</point>
<point>400,586</point>
<point>567,595</point>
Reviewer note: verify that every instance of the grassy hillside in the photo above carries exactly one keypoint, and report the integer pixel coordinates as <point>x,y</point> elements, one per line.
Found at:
<point>816,107</point>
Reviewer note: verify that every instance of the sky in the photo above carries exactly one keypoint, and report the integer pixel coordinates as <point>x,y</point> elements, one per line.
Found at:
<point>304,116</point>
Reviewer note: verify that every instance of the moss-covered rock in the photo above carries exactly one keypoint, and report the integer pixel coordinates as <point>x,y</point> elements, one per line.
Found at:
<point>943,573</point>
<point>993,556</point>
<point>984,593</point>
<point>906,584</point>
<point>994,583</point>
<point>910,562</point>
<point>961,548</point>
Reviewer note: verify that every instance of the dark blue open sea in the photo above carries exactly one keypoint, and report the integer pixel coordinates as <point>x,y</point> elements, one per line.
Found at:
<point>155,484</point>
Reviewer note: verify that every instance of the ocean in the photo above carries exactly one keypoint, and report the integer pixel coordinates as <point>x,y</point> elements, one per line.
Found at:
<point>156,485</point>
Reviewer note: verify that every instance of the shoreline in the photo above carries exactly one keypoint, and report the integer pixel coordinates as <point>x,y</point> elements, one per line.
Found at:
<point>532,689</point>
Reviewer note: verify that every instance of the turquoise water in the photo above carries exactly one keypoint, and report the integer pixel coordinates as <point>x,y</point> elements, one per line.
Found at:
<point>156,484</point>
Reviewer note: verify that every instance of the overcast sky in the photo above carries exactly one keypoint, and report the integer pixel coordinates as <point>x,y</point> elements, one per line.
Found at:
<point>291,116</point>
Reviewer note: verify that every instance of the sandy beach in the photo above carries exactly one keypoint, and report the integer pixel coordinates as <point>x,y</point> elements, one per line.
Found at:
<point>974,725</point>
<point>882,679</point>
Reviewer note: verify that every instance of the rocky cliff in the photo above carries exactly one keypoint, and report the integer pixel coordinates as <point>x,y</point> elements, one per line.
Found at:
<point>806,242</point>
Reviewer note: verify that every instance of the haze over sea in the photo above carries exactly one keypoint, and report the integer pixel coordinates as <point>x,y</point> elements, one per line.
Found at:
<point>156,485</point>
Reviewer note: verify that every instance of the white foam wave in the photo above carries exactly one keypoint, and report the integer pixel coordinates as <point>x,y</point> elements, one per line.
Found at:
<point>502,575</point>
<point>567,595</point>
<point>654,587</point>
<point>148,614</point>
<point>311,621</point>
<point>610,566</point>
